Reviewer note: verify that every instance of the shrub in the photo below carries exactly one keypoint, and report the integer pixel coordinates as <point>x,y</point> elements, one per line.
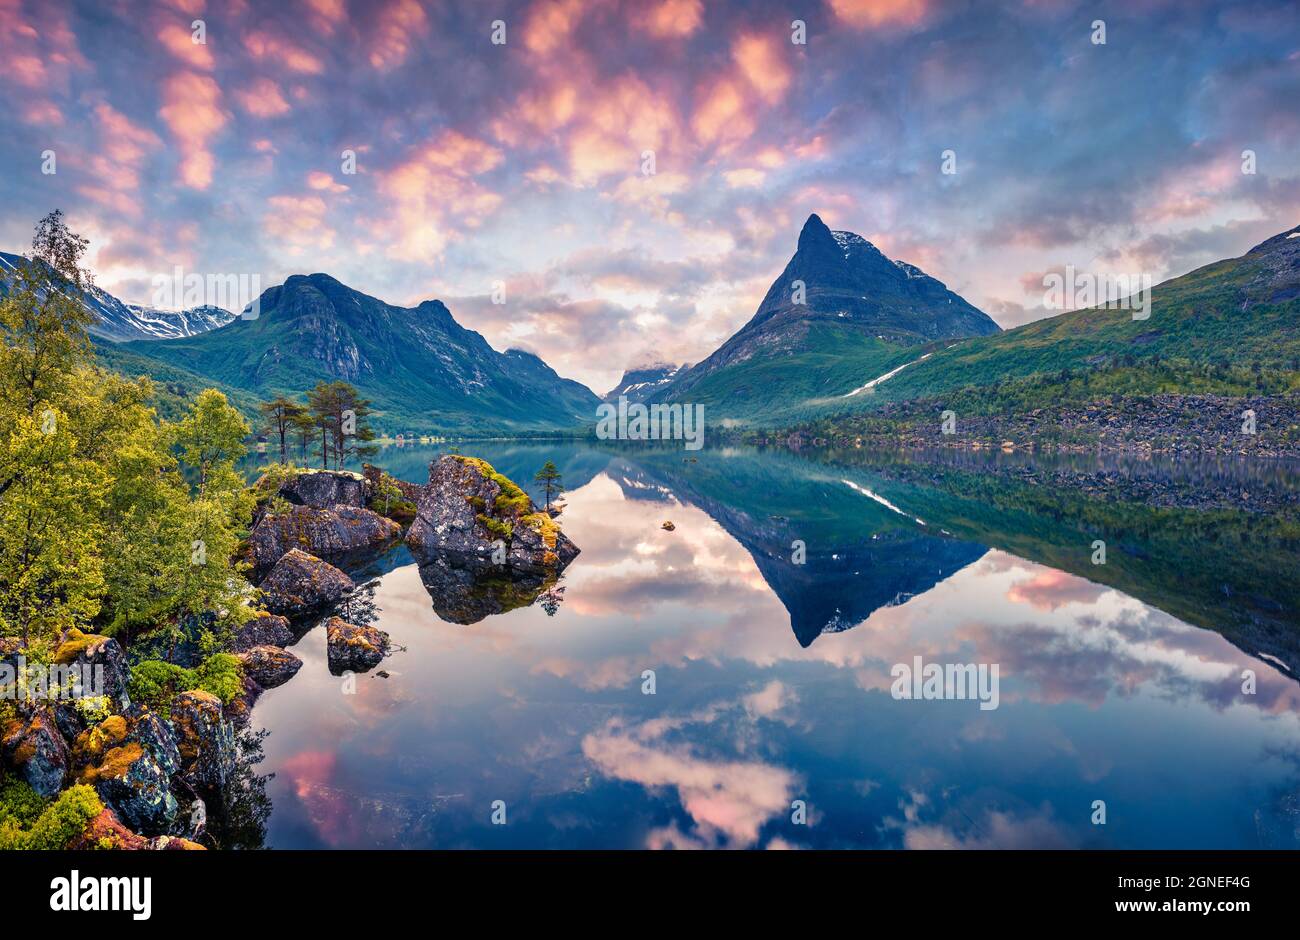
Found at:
<point>26,822</point>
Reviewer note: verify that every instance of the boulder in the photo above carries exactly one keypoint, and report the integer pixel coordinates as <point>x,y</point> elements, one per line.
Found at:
<point>330,532</point>
<point>269,666</point>
<point>411,492</point>
<point>205,739</point>
<point>36,751</point>
<point>301,583</point>
<point>325,488</point>
<point>101,659</point>
<point>467,508</point>
<point>130,759</point>
<point>155,735</point>
<point>354,648</point>
<point>263,630</point>
<point>135,786</point>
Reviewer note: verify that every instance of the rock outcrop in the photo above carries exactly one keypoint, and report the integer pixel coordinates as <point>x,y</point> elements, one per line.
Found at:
<point>33,747</point>
<point>97,656</point>
<point>205,739</point>
<point>269,666</point>
<point>263,630</point>
<point>324,489</point>
<point>354,648</point>
<point>468,512</point>
<point>130,760</point>
<point>301,583</point>
<point>324,532</point>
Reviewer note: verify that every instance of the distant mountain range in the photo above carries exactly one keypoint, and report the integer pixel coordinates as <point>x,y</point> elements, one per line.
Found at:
<point>842,331</point>
<point>422,370</point>
<point>639,384</point>
<point>120,322</point>
<point>839,314</point>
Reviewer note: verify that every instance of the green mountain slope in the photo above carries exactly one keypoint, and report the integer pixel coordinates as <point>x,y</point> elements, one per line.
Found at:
<point>1204,329</point>
<point>422,370</point>
<point>840,315</point>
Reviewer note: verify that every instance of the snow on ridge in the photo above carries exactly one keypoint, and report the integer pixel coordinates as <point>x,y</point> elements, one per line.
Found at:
<point>888,375</point>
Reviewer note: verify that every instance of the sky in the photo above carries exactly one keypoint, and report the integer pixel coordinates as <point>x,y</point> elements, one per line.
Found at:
<point>630,177</point>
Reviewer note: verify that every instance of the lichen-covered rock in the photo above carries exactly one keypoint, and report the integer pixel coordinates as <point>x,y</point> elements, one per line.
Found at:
<point>301,583</point>
<point>263,630</point>
<point>98,656</point>
<point>467,508</point>
<point>33,747</point>
<point>325,488</point>
<point>269,666</point>
<point>354,648</point>
<point>205,739</point>
<point>134,784</point>
<point>324,532</point>
<point>155,735</point>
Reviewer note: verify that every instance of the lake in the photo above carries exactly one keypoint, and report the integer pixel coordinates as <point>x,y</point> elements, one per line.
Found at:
<point>1158,687</point>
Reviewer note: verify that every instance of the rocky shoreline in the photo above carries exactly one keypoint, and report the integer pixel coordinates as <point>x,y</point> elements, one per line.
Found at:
<point>1258,426</point>
<point>150,778</point>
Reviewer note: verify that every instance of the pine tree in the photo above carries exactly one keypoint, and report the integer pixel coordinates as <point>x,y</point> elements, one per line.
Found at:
<point>549,477</point>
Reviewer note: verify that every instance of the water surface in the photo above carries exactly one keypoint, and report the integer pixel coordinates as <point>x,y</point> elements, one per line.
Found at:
<point>1119,683</point>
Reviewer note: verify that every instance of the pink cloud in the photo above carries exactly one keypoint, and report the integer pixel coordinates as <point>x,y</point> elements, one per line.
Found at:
<point>192,110</point>
<point>763,64</point>
<point>671,19</point>
<point>324,182</point>
<point>398,25</point>
<point>873,13</point>
<point>549,24</point>
<point>179,41</point>
<point>434,190</point>
<point>264,46</point>
<point>262,99</point>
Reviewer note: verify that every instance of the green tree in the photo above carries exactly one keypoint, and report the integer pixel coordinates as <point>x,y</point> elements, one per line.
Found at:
<point>549,477</point>
<point>279,416</point>
<point>211,438</point>
<point>341,416</point>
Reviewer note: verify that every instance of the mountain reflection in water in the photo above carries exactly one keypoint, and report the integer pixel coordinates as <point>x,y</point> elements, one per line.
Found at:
<point>1119,682</point>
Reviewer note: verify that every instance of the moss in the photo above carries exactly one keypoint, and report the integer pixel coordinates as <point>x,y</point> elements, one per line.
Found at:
<point>497,527</point>
<point>543,524</point>
<point>92,743</point>
<point>117,763</point>
<point>75,644</point>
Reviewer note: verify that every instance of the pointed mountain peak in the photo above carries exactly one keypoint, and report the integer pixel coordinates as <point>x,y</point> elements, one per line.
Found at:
<point>815,232</point>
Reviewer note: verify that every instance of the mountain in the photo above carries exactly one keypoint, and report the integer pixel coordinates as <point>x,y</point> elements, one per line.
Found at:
<point>641,382</point>
<point>422,370</point>
<point>861,315</point>
<point>121,322</point>
<point>1228,328</point>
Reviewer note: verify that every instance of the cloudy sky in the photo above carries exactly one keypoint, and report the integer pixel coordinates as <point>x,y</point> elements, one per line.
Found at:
<point>523,162</point>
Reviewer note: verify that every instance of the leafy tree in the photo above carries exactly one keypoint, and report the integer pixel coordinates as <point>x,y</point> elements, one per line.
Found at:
<point>549,477</point>
<point>211,438</point>
<point>99,529</point>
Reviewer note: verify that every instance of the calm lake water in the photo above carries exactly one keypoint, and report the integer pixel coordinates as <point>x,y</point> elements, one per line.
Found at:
<point>1120,683</point>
